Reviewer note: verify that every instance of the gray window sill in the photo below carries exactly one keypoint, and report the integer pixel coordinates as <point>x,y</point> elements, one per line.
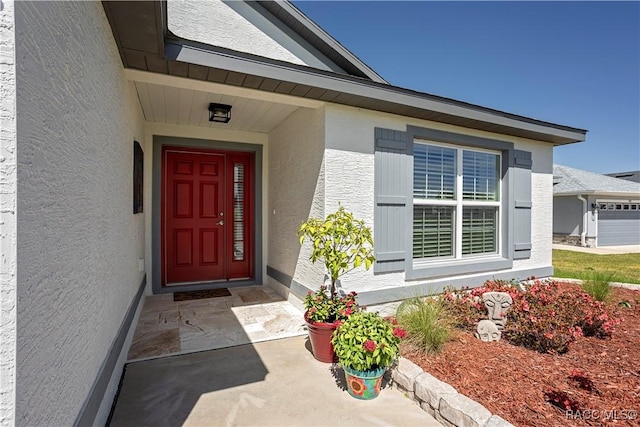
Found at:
<point>433,269</point>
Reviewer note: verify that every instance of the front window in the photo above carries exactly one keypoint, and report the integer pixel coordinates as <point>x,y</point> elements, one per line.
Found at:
<point>456,201</point>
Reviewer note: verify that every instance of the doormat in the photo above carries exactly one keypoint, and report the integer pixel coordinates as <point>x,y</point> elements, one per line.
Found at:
<point>212,293</point>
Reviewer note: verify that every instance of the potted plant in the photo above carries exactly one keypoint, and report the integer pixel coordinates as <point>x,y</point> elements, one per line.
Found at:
<point>366,345</point>
<point>343,243</point>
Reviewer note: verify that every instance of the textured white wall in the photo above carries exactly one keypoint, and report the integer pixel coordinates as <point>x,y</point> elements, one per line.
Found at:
<point>296,191</point>
<point>349,160</point>
<point>78,240</point>
<point>7,215</point>
<point>541,204</point>
<point>236,25</point>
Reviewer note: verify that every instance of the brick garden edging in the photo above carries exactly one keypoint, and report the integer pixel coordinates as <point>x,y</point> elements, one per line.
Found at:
<point>440,400</point>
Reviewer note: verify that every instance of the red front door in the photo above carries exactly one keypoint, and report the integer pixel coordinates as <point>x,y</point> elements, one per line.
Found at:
<point>207,215</point>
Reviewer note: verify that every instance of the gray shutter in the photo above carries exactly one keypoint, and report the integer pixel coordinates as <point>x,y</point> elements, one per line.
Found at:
<point>392,172</point>
<point>521,181</point>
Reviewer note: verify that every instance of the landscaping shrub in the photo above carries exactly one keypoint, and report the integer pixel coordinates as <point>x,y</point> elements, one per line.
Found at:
<point>546,317</point>
<point>427,324</point>
<point>597,285</point>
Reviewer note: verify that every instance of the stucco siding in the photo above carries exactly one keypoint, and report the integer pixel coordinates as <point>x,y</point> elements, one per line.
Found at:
<point>349,160</point>
<point>78,240</point>
<point>8,237</point>
<point>238,26</point>
<point>567,215</point>
<point>296,192</point>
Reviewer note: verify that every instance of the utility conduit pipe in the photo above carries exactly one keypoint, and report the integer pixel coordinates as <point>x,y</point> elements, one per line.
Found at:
<point>583,240</point>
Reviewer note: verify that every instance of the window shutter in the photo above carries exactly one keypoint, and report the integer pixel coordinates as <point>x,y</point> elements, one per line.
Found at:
<point>392,167</point>
<point>521,180</point>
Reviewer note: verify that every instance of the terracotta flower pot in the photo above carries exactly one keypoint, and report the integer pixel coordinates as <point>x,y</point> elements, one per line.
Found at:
<point>320,335</point>
<point>364,385</point>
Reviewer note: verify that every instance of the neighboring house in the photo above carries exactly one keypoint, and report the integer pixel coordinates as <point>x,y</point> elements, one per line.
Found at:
<point>629,176</point>
<point>594,210</point>
<point>456,193</point>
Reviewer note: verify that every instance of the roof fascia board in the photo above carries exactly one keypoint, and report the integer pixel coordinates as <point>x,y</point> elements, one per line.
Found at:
<point>359,87</point>
<point>218,88</point>
<point>599,193</point>
<point>325,37</point>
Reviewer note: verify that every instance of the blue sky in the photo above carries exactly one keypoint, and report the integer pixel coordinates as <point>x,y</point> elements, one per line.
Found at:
<point>571,63</point>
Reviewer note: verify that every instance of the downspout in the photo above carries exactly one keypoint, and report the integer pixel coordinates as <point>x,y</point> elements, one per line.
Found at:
<point>583,241</point>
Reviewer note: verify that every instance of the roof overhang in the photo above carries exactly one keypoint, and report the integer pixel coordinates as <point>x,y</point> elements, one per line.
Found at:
<point>140,31</point>
<point>626,195</point>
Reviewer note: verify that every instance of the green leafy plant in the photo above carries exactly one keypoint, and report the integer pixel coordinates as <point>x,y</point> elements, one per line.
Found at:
<point>427,323</point>
<point>597,284</point>
<point>343,243</point>
<point>367,341</point>
<point>320,307</point>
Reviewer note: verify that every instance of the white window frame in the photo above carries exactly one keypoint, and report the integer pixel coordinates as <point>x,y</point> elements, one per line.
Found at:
<point>459,204</point>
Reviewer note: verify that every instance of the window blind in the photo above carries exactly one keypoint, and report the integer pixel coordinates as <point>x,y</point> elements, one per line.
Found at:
<point>433,231</point>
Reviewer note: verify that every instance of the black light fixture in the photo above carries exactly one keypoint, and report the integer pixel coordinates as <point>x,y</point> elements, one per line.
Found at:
<point>219,113</point>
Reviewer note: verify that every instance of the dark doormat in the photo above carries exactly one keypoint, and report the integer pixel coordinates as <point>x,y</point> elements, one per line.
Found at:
<point>212,293</point>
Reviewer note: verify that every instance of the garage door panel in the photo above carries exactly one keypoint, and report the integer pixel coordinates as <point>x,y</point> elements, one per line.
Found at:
<point>618,228</point>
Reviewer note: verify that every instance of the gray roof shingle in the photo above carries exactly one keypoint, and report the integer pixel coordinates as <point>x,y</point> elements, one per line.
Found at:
<point>575,181</point>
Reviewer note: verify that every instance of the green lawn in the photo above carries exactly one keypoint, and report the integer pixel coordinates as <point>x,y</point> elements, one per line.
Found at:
<point>578,265</point>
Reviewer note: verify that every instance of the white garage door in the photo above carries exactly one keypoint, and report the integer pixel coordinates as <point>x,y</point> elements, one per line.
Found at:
<point>619,224</point>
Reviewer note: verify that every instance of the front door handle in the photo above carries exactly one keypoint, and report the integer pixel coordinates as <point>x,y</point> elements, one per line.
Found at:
<point>221,222</point>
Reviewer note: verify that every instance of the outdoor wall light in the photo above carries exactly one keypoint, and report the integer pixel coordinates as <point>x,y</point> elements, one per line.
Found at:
<point>219,113</point>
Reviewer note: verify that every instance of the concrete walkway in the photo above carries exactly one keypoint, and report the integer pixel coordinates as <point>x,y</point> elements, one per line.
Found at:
<point>273,383</point>
<point>604,250</point>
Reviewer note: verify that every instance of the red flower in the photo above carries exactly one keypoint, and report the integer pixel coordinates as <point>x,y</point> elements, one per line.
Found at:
<point>369,345</point>
<point>399,332</point>
<point>313,309</point>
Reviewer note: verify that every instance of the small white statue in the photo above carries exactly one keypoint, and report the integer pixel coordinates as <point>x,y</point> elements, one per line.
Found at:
<point>487,331</point>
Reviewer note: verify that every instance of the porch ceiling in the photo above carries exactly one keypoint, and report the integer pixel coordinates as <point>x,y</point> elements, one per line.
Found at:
<point>183,106</point>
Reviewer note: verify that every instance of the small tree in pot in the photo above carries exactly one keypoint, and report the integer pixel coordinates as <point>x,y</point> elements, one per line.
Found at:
<point>343,243</point>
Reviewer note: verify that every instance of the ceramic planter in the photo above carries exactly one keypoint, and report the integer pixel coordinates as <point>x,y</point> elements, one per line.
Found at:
<point>320,335</point>
<point>364,385</point>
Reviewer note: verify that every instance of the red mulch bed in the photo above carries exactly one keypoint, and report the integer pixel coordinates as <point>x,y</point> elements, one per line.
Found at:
<point>510,381</point>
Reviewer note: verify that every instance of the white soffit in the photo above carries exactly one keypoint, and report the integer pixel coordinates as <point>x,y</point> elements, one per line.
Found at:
<point>189,107</point>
